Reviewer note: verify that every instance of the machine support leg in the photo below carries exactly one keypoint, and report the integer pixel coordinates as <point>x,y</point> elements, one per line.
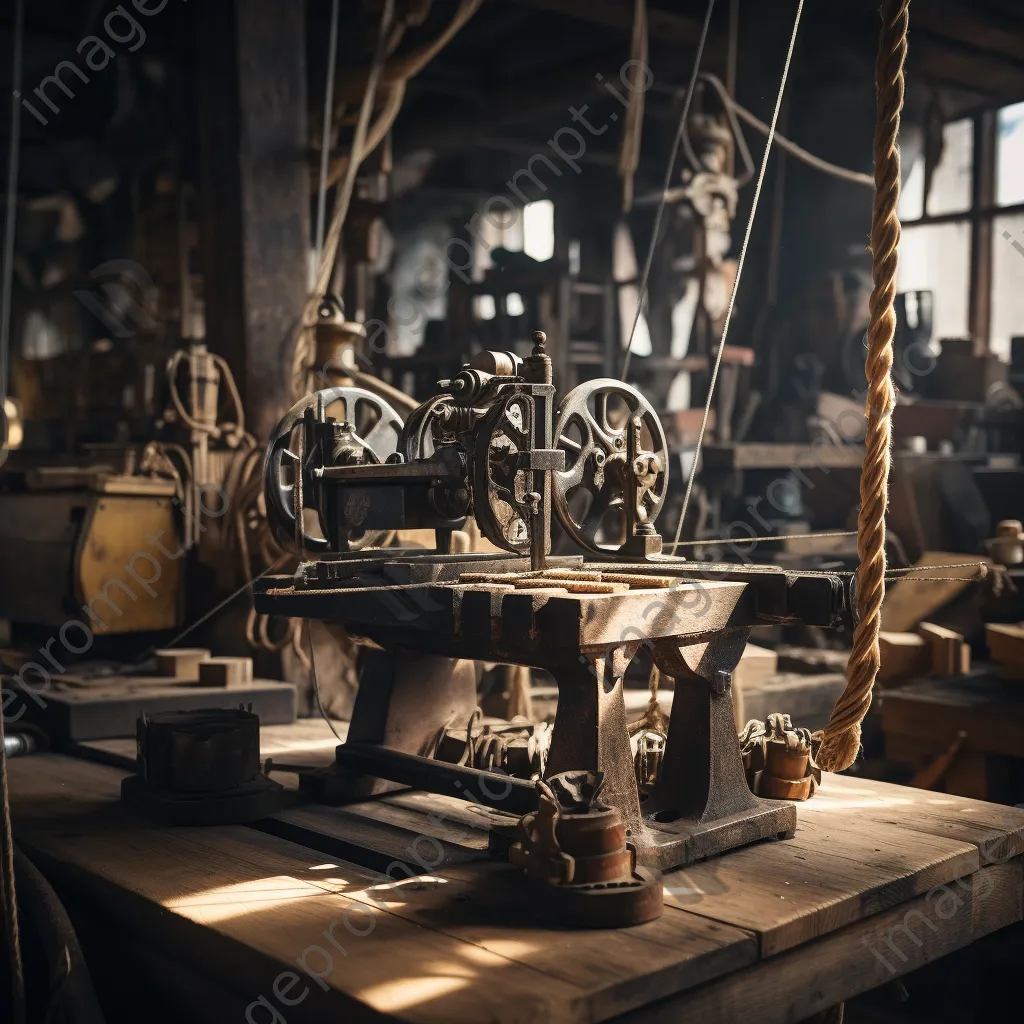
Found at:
<point>590,727</point>
<point>702,777</point>
<point>404,701</point>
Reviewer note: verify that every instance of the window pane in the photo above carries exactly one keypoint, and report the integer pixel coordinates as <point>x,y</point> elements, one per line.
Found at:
<point>937,258</point>
<point>951,180</point>
<point>539,229</point>
<point>912,194</point>
<point>1010,166</point>
<point>1007,283</point>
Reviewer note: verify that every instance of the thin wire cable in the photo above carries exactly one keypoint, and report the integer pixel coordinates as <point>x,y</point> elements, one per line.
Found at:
<point>213,611</point>
<point>316,682</point>
<point>739,268</point>
<point>9,892</point>
<point>328,128</point>
<point>9,888</point>
<point>645,280</point>
<point>712,541</point>
<point>10,213</point>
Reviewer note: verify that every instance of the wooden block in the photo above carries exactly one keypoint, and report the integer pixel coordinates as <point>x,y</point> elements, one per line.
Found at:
<point>1006,646</point>
<point>807,699</point>
<point>225,672</point>
<point>908,603</point>
<point>757,664</point>
<point>950,655</point>
<point>903,655</point>
<point>181,663</point>
<point>812,661</point>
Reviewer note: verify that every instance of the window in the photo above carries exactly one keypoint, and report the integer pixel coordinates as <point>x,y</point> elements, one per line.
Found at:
<point>1010,166</point>
<point>539,229</point>
<point>1008,232</point>
<point>964,239</point>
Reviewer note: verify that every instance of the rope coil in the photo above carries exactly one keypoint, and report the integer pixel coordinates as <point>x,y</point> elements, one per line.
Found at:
<point>841,741</point>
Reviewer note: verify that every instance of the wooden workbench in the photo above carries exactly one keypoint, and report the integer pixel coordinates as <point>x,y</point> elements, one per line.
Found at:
<point>218,922</point>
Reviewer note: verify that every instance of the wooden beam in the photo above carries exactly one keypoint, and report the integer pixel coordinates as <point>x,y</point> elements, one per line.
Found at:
<point>255,190</point>
<point>991,32</point>
<point>664,25</point>
<point>944,61</point>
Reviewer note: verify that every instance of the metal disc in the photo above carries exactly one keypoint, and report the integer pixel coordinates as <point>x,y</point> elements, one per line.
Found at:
<point>592,427</point>
<point>378,427</point>
<point>499,484</point>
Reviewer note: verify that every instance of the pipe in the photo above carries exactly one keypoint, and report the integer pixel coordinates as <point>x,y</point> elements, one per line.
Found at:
<point>19,744</point>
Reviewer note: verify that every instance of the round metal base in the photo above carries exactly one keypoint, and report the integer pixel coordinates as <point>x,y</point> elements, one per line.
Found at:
<point>619,904</point>
<point>247,803</point>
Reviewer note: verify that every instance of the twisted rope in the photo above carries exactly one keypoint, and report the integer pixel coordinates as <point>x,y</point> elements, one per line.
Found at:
<point>842,735</point>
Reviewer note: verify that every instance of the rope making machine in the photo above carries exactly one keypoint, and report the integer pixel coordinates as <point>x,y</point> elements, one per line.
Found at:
<point>342,470</point>
<point>491,444</point>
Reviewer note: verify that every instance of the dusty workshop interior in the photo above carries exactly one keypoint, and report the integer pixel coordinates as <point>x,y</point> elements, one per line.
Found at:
<point>511,510</point>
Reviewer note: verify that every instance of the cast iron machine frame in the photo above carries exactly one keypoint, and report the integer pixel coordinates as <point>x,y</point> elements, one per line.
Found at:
<point>502,453</point>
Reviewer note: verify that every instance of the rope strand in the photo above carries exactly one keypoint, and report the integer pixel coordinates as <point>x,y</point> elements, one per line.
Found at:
<point>841,741</point>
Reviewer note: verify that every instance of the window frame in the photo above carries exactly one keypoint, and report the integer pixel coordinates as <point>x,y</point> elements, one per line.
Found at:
<point>981,216</point>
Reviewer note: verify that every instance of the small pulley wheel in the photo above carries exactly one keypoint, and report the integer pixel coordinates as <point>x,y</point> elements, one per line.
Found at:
<point>610,433</point>
<point>377,427</point>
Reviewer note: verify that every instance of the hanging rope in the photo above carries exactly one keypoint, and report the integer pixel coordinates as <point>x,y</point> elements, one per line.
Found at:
<point>304,351</point>
<point>629,149</point>
<point>842,735</point>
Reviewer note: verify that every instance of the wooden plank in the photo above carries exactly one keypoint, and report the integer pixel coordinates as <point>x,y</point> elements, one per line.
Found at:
<point>1006,646</point>
<point>665,26</point>
<point>950,655</point>
<point>458,945</point>
<point>75,712</point>
<point>995,829</point>
<point>617,970</point>
<point>790,891</point>
<point>990,711</point>
<point>863,956</point>
<point>445,949</point>
<point>690,608</point>
<point>371,840</point>
<point>253,903</point>
<point>903,655</point>
<point>908,602</point>
<point>429,823</point>
<point>772,455</point>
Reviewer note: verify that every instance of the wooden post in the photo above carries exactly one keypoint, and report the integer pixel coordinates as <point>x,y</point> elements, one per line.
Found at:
<point>252,108</point>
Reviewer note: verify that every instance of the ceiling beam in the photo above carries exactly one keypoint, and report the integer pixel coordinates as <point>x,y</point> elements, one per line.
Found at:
<point>944,61</point>
<point>618,14</point>
<point>522,100</point>
<point>994,33</point>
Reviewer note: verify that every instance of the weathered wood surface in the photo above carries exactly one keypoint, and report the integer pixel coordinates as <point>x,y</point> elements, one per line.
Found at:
<point>772,932</point>
<point>989,710</point>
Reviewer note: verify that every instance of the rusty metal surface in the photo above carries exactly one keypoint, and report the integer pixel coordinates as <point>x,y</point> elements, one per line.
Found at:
<point>695,629</point>
<point>574,848</point>
<point>487,445</point>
